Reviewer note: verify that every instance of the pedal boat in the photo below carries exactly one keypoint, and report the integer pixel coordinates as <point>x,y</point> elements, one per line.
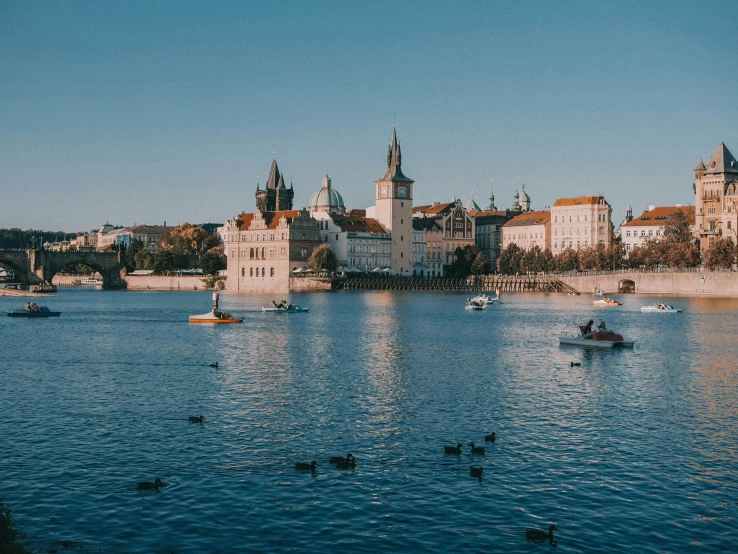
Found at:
<point>661,308</point>
<point>215,316</point>
<point>486,299</point>
<point>600,339</point>
<point>31,309</point>
<point>607,302</point>
<point>293,310</point>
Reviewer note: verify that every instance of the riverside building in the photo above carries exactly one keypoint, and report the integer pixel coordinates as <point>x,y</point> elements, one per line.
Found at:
<point>716,196</point>
<point>580,222</point>
<point>265,248</point>
<point>650,225</point>
<point>527,230</point>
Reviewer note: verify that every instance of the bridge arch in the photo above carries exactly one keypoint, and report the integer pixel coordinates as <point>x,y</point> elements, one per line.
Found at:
<point>626,285</point>
<point>18,264</point>
<point>110,265</point>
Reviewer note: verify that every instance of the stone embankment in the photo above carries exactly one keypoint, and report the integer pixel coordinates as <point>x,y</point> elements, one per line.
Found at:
<point>664,283</point>
<point>487,283</point>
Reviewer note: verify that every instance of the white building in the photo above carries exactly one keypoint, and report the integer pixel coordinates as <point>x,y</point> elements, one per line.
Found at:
<point>580,222</point>
<point>356,240</point>
<point>650,225</point>
<point>527,230</point>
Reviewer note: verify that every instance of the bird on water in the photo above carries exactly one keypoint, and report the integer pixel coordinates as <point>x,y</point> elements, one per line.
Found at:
<point>305,466</point>
<point>575,364</point>
<point>341,459</point>
<point>476,449</point>
<point>347,463</point>
<point>476,472</point>
<point>452,449</point>
<point>214,365</point>
<point>148,485</point>
<point>195,419</point>
<point>491,438</point>
<point>536,535</point>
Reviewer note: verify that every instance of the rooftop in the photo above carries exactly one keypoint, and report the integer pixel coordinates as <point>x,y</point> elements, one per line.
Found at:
<point>529,218</point>
<point>357,223</point>
<point>579,201</point>
<point>658,216</point>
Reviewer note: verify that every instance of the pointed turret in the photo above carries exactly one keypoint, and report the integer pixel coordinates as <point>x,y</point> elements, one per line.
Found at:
<point>274,176</point>
<point>280,184</point>
<point>629,213</point>
<point>722,161</point>
<point>700,166</point>
<point>394,161</point>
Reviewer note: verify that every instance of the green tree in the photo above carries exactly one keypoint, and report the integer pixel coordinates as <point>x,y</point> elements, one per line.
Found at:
<point>131,252</point>
<point>720,254</point>
<point>144,259</point>
<point>531,260</point>
<point>211,262</point>
<point>510,260</point>
<point>479,265</point>
<point>322,259</point>
<point>547,261</point>
<point>567,260</point>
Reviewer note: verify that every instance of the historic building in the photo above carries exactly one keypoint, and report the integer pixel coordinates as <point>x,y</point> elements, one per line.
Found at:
<point>356,240</point>
<point>488,228</point>
<point>527,230</point>
<point>650,225</point>
<point>716,196</point>
<point>276,196</point>
<point>265,248</point>
<point>394,208</point>
<point>580,222</point>
<point>456,224</point>
<point>149,235</point>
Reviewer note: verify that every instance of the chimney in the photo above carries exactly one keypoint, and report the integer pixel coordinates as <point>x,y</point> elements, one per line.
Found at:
<point>651,207</point>
<point>165,223</point>
<point>678,205</point>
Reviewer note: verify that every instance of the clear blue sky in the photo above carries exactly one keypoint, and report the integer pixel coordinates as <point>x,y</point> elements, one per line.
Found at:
<point>150,111</point>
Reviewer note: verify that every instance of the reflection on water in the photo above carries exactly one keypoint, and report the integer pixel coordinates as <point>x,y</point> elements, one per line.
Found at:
<point>631,450</point>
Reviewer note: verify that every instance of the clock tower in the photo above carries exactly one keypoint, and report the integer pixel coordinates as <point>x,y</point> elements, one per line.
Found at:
<point>395,209</point>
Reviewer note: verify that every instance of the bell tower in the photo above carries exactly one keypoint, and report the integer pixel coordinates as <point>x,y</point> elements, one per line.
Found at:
<point>394,194</point>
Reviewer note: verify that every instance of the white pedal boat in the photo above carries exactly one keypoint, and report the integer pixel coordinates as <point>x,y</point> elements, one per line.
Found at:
<point>214,315</point>
<point>661,308</point>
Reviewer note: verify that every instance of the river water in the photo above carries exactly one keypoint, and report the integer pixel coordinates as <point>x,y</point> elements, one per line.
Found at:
<point>634,450</point>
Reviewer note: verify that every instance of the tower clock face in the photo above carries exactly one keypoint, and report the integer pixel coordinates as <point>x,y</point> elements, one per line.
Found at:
<point>401,192</point>
<point>384,192</point>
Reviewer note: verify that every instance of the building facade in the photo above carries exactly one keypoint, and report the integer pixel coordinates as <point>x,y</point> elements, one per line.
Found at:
<point>264,249</point>
<point>394,209</point>
<point>488,231</point>
<point>356,240</point>
<point>527,230</point>
<point>716,196</point>
<point>149,235</point>
<point>650,225</point>
<point>457,226</point>
<point>580,222</point>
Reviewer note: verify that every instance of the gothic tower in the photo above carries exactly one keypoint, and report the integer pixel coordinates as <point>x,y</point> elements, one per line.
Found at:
<point>394,210</point>
<point>276,196</point>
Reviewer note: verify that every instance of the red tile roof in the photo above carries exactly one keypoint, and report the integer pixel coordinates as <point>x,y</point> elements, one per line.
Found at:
<point>433,209</point>
<point>658,216</point>
<point>276,216</point>
<point>357,223</point>
<point>245,220</point>
<point>578,200</point>
<point>530,218</point>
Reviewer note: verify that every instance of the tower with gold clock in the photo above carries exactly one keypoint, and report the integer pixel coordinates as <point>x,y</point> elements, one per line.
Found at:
<point>394,209</point>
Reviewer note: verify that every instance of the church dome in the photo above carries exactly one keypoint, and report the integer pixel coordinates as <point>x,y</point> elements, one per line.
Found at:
<point>326,199</point>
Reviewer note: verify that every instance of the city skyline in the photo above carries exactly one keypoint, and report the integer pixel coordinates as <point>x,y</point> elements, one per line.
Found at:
<point>142,113</point>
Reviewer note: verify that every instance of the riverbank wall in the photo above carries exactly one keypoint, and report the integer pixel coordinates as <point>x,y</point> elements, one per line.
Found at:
<point>676,283</point>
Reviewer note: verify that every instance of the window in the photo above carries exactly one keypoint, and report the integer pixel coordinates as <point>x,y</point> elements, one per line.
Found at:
<point>263,272</point>
<point>271,272</point>
<point>243,272</point>
<point>650,232</point>
<point>257,271</point>
<point>627,233</point>
<point>252,272</point>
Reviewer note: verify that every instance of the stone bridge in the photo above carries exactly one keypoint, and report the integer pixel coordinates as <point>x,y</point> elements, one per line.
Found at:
<point>33,267</point>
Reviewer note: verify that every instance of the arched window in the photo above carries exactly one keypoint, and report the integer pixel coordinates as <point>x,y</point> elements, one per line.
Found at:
<point>263,272</point>
<point>263,253</point>
<point>252,272</point>
<point>271,272</point>
<point>257,271</point>
<point>251,253</point>
<point>243,272</point>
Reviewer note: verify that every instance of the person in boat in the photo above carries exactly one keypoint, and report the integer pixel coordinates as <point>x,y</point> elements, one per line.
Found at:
<point>602,326</point>
<point>274,304</point>
<point>587,329</point>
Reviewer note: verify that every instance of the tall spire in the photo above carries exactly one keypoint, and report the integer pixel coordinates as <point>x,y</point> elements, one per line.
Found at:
<point>394,161</point>
<point>491,195</point>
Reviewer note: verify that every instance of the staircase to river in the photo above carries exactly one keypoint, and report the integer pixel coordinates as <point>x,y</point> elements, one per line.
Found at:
<point>482,283</point>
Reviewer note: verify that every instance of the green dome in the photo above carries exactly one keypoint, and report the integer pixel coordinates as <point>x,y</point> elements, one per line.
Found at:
<point>326,199</point>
